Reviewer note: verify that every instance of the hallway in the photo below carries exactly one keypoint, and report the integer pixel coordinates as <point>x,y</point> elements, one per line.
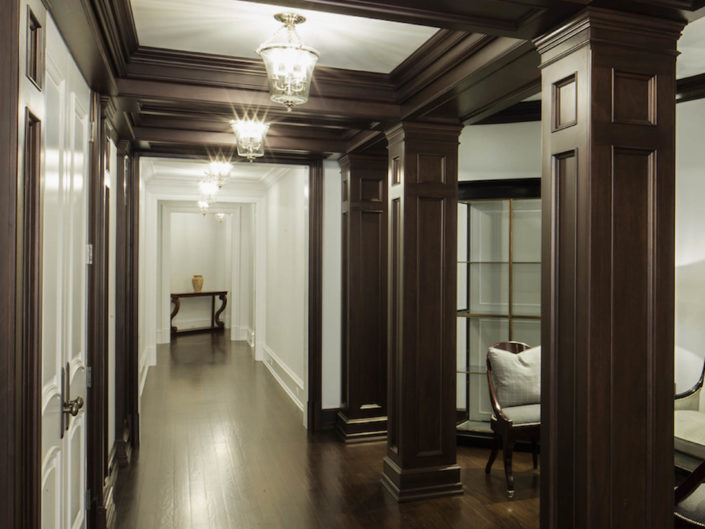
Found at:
<point>223,447</point>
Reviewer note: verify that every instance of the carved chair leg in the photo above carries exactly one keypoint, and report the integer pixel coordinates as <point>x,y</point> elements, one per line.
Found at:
<point>493,454</point>
<point>534,453</point>
<point>508,448</point>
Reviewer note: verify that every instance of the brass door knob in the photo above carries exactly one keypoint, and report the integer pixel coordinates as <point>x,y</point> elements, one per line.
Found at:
<point>71,407</point>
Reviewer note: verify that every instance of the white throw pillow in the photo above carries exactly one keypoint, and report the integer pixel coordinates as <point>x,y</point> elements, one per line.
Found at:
<point>516,377</point>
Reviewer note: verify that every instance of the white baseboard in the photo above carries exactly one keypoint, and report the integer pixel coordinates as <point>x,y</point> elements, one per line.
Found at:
<point>184,325</point>
<point>238,334</point>
<point>288,380</point>
<point>163,336</point>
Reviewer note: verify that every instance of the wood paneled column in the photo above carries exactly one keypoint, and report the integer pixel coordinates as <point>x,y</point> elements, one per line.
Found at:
<point>423,195</point>
<point>608,186</point>
<point>363,414</point>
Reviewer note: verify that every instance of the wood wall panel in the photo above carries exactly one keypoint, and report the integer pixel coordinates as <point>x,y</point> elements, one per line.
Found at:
<point>363,416</point>
<point>423,196</point>
<point>608,265</point>
<point>10,491</point>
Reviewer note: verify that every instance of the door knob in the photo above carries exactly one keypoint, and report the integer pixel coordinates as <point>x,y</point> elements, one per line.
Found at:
<point>71,407</point>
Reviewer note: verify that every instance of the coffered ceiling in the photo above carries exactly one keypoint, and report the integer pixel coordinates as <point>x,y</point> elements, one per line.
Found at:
<point>235,28</point>
<point>177,71</point>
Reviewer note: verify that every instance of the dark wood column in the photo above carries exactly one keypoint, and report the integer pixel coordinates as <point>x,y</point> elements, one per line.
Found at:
<point>363,414</point>
<point>608,83</point>
<point>423,196</point>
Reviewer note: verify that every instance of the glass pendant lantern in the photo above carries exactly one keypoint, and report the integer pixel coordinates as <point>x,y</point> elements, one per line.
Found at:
<point>249,136</point>
<point>289,63</point>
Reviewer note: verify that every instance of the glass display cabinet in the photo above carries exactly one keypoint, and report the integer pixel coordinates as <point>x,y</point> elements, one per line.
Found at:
<point>499,284</point>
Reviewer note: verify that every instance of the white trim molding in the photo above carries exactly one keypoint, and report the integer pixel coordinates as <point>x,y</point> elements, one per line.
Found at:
<point>280,371</point>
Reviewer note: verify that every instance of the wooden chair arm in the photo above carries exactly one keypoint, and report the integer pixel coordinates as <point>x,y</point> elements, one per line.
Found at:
<point>690,484</point>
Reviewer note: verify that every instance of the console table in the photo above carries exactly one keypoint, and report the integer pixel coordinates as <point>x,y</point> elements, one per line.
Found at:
<point>216,323</point>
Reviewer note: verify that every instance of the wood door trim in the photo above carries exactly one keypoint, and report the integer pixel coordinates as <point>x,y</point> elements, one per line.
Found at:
<point>29,308</point>
<point>315,297</point>
<point>10,416</point>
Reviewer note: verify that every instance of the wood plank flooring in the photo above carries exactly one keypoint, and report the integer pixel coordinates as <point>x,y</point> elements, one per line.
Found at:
<point>223,447</point>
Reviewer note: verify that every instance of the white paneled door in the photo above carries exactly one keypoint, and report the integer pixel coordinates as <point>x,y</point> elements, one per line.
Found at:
<point>60,100</point>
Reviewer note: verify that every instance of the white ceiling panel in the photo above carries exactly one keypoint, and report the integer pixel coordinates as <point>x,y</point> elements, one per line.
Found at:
<point>236,28</point>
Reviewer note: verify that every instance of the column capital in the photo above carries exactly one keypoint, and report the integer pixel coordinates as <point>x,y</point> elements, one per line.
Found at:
<point>608,27</point>
<point>421,130</point>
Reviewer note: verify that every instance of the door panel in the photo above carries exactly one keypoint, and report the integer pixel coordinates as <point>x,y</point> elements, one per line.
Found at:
<point>64,213</point>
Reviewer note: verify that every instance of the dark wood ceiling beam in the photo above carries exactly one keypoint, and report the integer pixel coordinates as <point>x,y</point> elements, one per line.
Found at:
<point>241,101</point>
<point>224,139</point>
<point>491,55</point>
<point>203,69</point>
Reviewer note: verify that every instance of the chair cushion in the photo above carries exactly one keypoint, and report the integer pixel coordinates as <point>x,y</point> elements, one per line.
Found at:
<point>689,432</point>
<point>516,377</point>
<point>527,414</point>
<point>693,507</point>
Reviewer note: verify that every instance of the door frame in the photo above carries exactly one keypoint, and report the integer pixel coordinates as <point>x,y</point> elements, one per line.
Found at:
<point>316,421</point>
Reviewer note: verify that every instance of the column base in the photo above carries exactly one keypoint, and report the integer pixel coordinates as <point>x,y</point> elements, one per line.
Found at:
<point>421,483</point>
<point>360,430</point>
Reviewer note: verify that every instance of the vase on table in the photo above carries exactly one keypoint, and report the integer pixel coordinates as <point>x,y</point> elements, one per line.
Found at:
<point>197,282</point>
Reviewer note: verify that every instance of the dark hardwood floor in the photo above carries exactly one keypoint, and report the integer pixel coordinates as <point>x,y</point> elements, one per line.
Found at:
<point>224,447</point>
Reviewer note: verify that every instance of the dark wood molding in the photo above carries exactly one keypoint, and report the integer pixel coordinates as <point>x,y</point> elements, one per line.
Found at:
<point>315,295</point>
<point>132,309</point>
<point>10,386</point>
<point>283,144</point>
<point>363,414</point>
<point>507,188</point>
<point>521,112</point>
<point>608,192</point>
<point>423,192</point>
<point>690,88</point>
<point>101,509</point>
<point>118,31</point>
<point>206,69</point>
<point>29,319</point>
<point>122,304</point>
<point>328,419</point>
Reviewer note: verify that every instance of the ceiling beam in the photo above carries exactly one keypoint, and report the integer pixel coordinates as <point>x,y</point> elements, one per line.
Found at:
<point>227,140</point>
<point>241,101</point>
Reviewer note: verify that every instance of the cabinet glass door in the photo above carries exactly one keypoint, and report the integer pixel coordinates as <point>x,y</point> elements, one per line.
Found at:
<point>499,292</point>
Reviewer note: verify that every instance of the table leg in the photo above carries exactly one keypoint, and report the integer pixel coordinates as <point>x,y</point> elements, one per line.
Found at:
<point>177,305</point>
<point>224,299</point>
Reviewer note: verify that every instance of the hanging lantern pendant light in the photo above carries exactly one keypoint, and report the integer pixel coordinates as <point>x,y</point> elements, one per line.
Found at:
<point>289,63</point>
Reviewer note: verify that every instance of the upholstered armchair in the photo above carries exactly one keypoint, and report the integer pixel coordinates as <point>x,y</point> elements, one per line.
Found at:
<point>689,426</point>
<point>514,379</point>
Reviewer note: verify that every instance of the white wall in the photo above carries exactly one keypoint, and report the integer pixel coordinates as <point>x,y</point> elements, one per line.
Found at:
<point>690,242</point>
<point>286,329</point>
<point>332,286</point>
<point>199,244</point>
<point>493,152</point>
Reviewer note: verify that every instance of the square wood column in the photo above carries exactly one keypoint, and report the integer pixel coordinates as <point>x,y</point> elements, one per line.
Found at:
<point>363,415</point>
<point>423,197</point>
<point>608,85</point>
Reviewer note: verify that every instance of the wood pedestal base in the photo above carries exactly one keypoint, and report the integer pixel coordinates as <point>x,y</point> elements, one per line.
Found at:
<point>417,484</point>
<point>360,430</point>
